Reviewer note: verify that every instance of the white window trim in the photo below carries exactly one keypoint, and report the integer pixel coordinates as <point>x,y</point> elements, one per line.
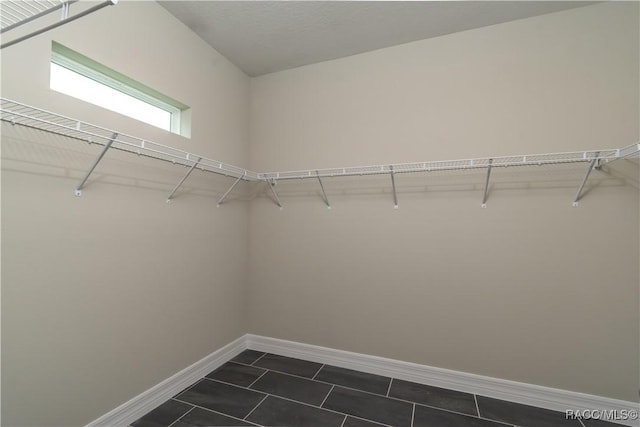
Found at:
<point>84,66</point>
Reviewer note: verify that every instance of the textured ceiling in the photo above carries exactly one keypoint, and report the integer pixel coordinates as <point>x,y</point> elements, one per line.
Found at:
<point>262,37</point>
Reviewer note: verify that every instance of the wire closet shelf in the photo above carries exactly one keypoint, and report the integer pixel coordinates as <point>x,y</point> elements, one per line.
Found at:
<point>21,114</point>
<point>15,13</point>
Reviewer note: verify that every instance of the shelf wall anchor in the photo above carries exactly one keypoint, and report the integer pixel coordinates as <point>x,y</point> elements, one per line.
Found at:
<point>224,196</point>
<point>486,185</point>
<point>592,164</point>
<point>324,194</point>
<point>183,179</point>
<point>78,191</point>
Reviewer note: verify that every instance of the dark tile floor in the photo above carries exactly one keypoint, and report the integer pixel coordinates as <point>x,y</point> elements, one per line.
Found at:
<point>261,389</point>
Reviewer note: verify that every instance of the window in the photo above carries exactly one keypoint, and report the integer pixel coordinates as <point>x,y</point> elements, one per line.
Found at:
<point>76,75</point>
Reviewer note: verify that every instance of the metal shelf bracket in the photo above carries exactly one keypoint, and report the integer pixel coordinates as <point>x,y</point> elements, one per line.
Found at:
<point>486,185</point>
<point>393,185</point>
<point>271,184</point>
<point>595,163</point>
<point>16,113</point>
<point>78,191</point>
<point>183,179</point>
<point>224,196</point>
<point>324,194</point>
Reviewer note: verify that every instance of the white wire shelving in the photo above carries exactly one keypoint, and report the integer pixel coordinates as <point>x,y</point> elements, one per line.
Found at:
<point>15,13</point>
<point>444,165</point>
<point>21,114</point>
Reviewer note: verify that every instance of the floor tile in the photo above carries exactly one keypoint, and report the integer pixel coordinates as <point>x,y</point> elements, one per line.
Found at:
<point>186,388</point>
<point>163,415</point>
<point>234,373</point>
<point>434,396</point>
<point>430,417</point>
<point>296,388</point>
<point>248,357</point>
<point>203,418</point>
<point>522,415</point>
<point>227,399</point>
<point>280,412</point>
<point>354,379</point>
<point>370,406</point>
<point>289,365</point>
<point>357,422</point>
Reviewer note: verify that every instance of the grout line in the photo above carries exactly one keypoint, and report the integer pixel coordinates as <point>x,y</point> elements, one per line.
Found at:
<point>256,380</point>
<point>378,423</point>
<point>338,385</point>
<point>314,377</point>
<point>332,388</point>
<point>182,416</point>
<point>211,410</point>
<point>241,364</point>
<point>256,407</point>
<point>459,413</point>
<point>381,395</point>
<point>294,375</point>
<point>475,398</point>
<point>188,388</point>
<point>348,388</point>
<point>327,396</point>
<point>344,421</point>
<point>374,394</point>
<point>413,414</point>
<point>303,403</point>
<point>581,423</point>
<point>253,363</point>
<point>323,382</point>
<point>284,398</point>
<point>234,385</point>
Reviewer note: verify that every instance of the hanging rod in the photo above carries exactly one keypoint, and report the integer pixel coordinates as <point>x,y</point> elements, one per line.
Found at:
<point>17,13</point>
<point>21,114</point>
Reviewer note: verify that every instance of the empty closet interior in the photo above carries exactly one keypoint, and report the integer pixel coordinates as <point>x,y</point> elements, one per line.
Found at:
<point>466,201</point>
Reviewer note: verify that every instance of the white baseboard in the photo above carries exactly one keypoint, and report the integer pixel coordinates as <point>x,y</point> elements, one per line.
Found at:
<point>528,394</point>
<point>150,399</point>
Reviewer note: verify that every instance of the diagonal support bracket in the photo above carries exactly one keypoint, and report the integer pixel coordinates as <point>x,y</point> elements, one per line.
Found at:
<point>183,179</point>
<point>78,191</point>
<point>324,194</point>
<point>393,185</point>
<point>272,184</point>
<point>224,196</point>
<point>595,163</point>
<point>486,185</point>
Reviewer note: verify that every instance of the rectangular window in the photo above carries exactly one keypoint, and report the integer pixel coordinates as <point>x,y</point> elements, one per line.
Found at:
<point>76,75</point>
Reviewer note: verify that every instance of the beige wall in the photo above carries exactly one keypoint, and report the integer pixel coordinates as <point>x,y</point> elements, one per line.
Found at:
<point>529,289</point>
<point>105,295</point>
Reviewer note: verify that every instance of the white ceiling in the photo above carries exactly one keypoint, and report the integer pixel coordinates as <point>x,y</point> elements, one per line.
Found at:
<point>262,37</point>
